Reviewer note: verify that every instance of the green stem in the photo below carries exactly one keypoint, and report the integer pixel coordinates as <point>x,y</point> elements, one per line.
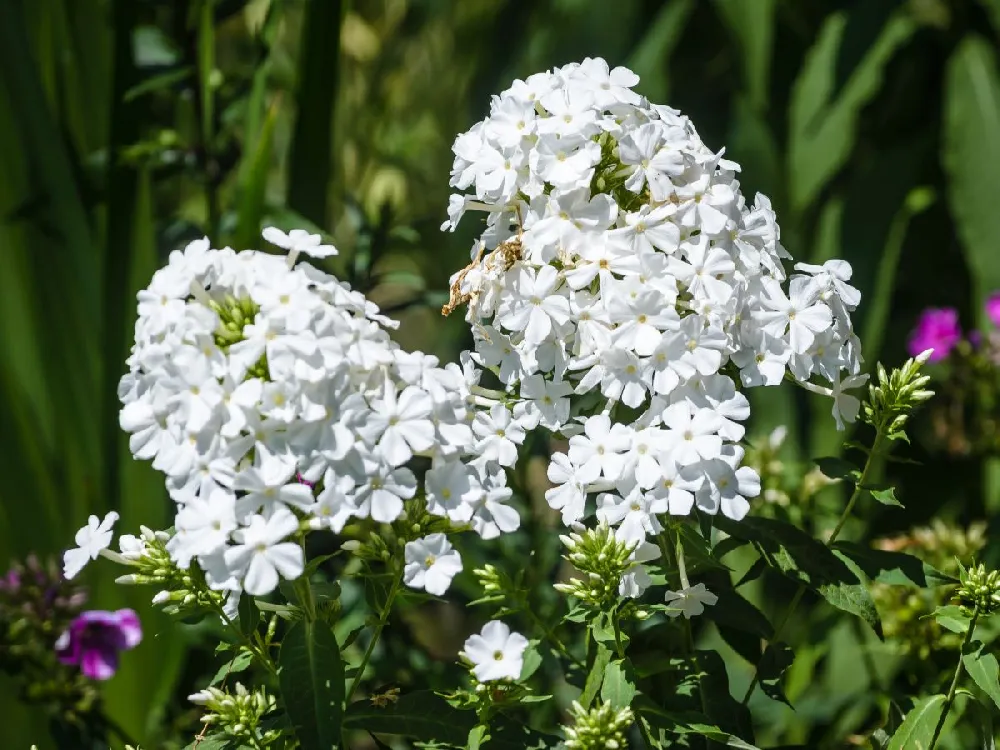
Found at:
<point>860,486</point>
<point>259,654</point>
<point>950,698</point>
<point>549,635</point>
<point>383,618</point>
<point>855,496</point>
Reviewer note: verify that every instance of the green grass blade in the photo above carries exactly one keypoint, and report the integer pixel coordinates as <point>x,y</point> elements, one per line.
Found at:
<point>312,138</point>
<point>650,59</point>
<point>821,131</point>
<point>752,24</point>
<point>972,159</point>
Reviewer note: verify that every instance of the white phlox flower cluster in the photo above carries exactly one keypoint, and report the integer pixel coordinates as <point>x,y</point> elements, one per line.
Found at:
<point>625,295</point>
<point>271,396</point>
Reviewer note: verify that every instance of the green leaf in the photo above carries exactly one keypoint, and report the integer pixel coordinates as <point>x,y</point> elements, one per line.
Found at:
<point>734,611</point>
<point>837,468</point>
<point>753,26</point>
<point>698,553</point>
<point>983,669</point>
<point>777,658</point>
<point>249,615</point>
<point>885,495</point>
<point>893,568</point>
<point>254,173</point>
<point>992,8</point>
<point>311,677</point>
<point>506,734</point>
<point>618,687</point>
<point>650,59</point>
<point>214,741</point>
<point>312,139</point>
<point>421,715</point>
<point>532,660</point>
<point>952,617</point>
<point>722,709</point>
<point>971,159</point>
<point>821,127</point>
<point>237,664</point>
<point>917,729</point>
<point>691,723</point>
<point>477,736</point>
<point>802,558</point>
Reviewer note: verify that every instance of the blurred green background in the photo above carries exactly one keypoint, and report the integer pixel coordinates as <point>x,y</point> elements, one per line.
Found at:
<point>128,127</point>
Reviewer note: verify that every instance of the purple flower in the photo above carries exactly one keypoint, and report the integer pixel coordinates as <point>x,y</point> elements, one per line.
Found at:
<point>993,308</point>
<point>95,638</point>
<point>937,329</point>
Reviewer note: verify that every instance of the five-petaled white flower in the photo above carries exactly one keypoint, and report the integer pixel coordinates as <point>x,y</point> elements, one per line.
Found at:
<point>496,653</point>
<point>430,564</point>
<point>689,601</point>
<point>91,540</point>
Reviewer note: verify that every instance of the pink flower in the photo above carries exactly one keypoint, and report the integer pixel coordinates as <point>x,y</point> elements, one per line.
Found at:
<point>95,638</point>
<point>938,330</point>
<point>993,308</point>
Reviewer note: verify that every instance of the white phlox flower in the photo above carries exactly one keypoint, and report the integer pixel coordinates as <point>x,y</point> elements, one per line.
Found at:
<point>626,294</point>
<point>91,540</point>
<point>496,653</point>
<point>690,601</point>
<point>430,564</point>
<point>271,396</point>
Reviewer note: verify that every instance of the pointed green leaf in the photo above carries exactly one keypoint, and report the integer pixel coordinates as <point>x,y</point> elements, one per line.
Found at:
<point>650,59</point>
<point>972,158</point>
<point>311,677</point>
<point>237,664</point>
<point>421,715</point>
<point>618,687</point>
<point>837,468</point>
<point>734,611</point>
<point>885,495</point>
<point>804,559</point>
<point>752,24</point>
<point>952,617</point>
<point>917,729</point>
<point>595,678</point>
<point>894,568</point>
<point>983,669</point>
<point>777,658</point>
<point>822,126</point>
<point>722,708</point>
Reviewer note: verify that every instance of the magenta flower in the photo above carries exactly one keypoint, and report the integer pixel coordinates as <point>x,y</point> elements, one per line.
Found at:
<point>993,308</point>
<point>94,639</point>
<point>937,329</point>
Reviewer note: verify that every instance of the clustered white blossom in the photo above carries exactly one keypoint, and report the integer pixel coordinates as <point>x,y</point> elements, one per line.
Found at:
<point>625,294</point>
<point>271,396</point>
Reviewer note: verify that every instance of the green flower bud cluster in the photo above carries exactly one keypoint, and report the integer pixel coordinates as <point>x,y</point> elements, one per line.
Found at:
<point>979,590</point>
<point>234,315</point>
<point>610,176</point>
<point>896,394</point>
<point>603,558</point>
<point>495,584</point>
<point>239,714</point>
<point>382,543</point>
<point>600,728</point>
<point>182,591</point>
<point>906,611</point>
